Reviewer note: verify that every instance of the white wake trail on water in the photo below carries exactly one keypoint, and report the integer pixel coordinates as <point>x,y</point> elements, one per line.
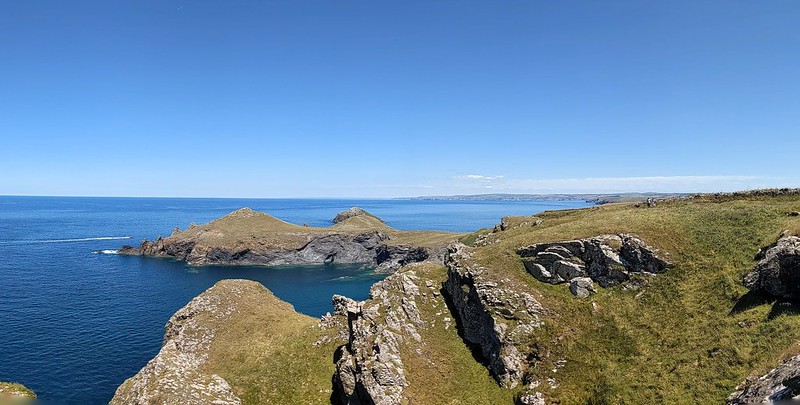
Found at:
<point>34,242</point>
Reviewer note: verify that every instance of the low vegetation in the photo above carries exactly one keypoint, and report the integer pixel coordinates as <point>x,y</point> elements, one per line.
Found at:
<point>692,334</point>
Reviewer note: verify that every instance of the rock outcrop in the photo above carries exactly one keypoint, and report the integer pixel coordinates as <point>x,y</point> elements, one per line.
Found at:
<point>369,369</point>
<point>778,270</point>
<point>176,375</point>
<point>15,393</point>
<point>499,321</point>
<point>779,385</point>
<point>608,260</point>
<point>247,237</point>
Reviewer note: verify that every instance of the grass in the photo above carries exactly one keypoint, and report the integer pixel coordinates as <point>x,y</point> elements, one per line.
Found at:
<point>8,389</point>
<point>678,340</point>
<point>266,352</point>
<point>441,369</point>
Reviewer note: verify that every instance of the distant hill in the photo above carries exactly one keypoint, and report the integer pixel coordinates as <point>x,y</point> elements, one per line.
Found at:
<point>592,198</point>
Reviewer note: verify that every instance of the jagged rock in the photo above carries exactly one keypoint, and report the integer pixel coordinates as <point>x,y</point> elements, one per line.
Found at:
<point>500,322</point>
<point>349,213</point>
<point>391,258</point>
<point>175,375</point>
<point>369,369</point>
<point>609,260</point>
<point>778,270</point>
<point>780,384</point>
<point>582,287</point>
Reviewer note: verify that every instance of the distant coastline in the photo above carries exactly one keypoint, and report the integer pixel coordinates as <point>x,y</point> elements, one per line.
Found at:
<point>590,198</point>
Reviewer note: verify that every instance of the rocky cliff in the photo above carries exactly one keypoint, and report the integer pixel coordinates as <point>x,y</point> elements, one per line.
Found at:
<point>176,374</point>
<point>247,237</point>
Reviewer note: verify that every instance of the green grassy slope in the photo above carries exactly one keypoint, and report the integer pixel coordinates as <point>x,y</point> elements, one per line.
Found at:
<point>692,334</point>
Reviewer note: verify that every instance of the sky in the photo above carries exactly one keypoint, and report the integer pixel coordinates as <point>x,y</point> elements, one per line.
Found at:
<point>397,98</point>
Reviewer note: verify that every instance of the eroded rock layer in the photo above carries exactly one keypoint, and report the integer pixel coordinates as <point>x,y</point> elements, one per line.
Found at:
<point>608,260</point>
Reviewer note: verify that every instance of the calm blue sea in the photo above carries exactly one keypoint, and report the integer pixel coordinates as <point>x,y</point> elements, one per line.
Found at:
<point>76,324</point>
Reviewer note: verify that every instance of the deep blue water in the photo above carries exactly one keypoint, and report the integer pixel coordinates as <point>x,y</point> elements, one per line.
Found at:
<point>76,324</point>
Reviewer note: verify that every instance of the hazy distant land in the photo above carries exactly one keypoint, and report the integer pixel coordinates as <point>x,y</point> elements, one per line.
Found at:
<point>592,198</point>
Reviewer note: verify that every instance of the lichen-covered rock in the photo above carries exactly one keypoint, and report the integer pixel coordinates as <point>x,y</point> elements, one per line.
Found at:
<point>500,322</point>
<point>779,385</point>
<point>175,375</point>
<point>778,270</point>
<point>608,260</point>
<point>582,287</point>
<point>369,369</point>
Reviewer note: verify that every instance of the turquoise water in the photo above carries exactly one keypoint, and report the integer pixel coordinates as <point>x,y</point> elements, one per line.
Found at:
<point>76,324</point>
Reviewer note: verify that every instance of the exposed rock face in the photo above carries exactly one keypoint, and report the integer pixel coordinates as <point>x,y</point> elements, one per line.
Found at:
<point>607,259</point>
<point>369,369</point>
<point>582,287</point>
<point>175,375</point>
<point>320,248</point>
<point>780,384</point>
<point>778,270</point>
<point>349,213</point>
<point>500,322</point>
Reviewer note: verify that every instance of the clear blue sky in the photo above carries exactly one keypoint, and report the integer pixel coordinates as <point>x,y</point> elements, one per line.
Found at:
<point>397,98</point>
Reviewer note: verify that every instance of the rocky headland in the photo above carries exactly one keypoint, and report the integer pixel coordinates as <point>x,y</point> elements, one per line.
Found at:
<point>247,237</point>
<point>666,314</point>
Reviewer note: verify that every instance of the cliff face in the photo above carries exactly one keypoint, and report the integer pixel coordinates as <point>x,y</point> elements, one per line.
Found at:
<point>246,237</point>
<point>238,343</point>
<point>176,374</point>
<point>403,347</point>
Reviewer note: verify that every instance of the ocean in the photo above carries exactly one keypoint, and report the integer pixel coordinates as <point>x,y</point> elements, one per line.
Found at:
<point>76,324</point>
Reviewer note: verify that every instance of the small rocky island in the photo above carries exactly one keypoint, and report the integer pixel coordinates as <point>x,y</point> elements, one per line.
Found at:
<point>247,237</point>
<point>695,297</point>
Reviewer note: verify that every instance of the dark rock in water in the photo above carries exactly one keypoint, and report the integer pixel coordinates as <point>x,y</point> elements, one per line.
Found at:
<point>608,260</point>
<point>778,270</point>
<point>350,213</point>
<point>780,384</point>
